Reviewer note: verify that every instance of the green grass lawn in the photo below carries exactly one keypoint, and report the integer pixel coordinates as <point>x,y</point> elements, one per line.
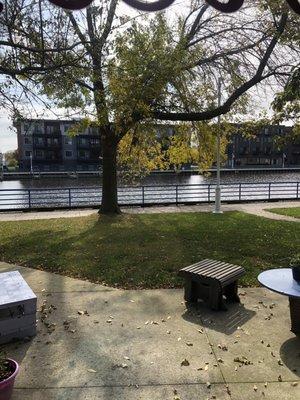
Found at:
<point>146,251</point>
<point>291,212</point>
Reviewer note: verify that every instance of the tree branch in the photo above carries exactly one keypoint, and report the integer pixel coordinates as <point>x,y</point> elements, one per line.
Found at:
<point>226,106</point>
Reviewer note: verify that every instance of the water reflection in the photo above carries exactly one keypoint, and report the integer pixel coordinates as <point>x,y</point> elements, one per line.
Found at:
<point>155,179</point>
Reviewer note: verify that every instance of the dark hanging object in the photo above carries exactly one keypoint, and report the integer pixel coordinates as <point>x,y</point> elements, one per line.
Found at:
<point>231,6</point>
<point>295,5</point>
<point>72,4</point>
<point>154,6</point>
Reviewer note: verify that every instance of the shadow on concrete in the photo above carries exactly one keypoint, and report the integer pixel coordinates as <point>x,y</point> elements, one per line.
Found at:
<point>290,354</point>
<point>226,322</point>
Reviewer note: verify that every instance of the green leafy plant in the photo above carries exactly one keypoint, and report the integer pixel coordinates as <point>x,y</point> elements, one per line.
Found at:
<point>295,261</point>
<point>5,368</point>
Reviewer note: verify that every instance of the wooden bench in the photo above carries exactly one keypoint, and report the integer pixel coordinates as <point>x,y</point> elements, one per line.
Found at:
<point>210,280</point>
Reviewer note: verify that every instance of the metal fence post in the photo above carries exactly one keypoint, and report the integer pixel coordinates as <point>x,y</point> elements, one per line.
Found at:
<point>176,194</point>
<point>208,193</point>
<point>143,194</point>
<point>29,198</point>
<point>240,192</point>
<point>297,190</point>
<point>270,191</point>
<point>70,199</point>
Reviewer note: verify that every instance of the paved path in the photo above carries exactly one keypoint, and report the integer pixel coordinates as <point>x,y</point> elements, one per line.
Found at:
<point>259,209</point>
<point>130,345</point>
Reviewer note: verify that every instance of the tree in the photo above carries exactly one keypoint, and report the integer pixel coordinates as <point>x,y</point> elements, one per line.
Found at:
<point>127,73</point>
<point>11,158</point>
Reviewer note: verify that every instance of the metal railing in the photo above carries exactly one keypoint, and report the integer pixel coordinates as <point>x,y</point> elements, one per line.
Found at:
<point>32,199</point>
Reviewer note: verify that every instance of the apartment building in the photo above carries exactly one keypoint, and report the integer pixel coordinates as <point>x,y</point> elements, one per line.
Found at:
<point>263,149</point>
<point>45,145</point>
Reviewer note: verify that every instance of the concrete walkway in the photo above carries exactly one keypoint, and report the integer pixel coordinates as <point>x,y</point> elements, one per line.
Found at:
<point>105,344</point>
<point>259,209</point>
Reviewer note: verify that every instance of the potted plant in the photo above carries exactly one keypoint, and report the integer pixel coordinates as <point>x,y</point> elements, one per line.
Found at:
<point>8,372</point>
<point>295,265</point>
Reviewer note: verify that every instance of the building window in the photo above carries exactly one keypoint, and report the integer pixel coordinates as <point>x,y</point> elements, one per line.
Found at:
<point>49,141</point>
<point>39,153</point>
<point>55,141</point>
<point>94,141</point>
<point>27,140</point>
<point>27,153</point>
<point>83,154</point>
<point>68,140</point>
<point>69,154</point>
<point>39,140</point>
<point>83,141</point>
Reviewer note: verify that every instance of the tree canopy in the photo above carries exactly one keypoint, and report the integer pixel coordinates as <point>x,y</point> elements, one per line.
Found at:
<point>125,73</point>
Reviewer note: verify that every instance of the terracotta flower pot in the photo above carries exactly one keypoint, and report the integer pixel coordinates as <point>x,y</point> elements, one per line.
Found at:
<point>6,386</point>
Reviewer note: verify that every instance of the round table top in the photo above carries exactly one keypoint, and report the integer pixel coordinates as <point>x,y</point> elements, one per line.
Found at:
<point>281,281</point>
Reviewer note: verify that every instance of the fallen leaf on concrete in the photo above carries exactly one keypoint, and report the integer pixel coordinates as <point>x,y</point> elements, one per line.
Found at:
<point>279,378</point>
<point>185,363</point>
<point>294,384</point>
<point>168,332</point>
<point>280,362</point>
<point>123,365</point>
<point>109,321</point>
<point>242,360</point>
<point>208,385</point>
<point>80,312</point>
<point>255,388</point>
<point>200,330</point>
<point>189,344</point>
<point>92,371</point>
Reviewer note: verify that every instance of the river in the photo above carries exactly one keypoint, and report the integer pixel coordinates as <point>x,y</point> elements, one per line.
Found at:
<point>156,179</point>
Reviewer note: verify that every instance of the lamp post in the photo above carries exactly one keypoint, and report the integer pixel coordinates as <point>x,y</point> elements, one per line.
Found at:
<point>31,166</point>
<point>217,209</point>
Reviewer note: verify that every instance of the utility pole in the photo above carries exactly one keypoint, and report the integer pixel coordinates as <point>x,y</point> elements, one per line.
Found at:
<point>217,209</point>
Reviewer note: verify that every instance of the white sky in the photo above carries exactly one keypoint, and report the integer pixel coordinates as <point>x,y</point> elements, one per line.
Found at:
<point>8,137</point>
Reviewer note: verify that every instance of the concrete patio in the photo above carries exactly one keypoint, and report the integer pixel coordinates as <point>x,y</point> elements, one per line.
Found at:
<point>96,342</point>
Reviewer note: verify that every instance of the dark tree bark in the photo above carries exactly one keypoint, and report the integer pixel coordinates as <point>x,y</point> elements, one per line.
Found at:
<point>109,203</point>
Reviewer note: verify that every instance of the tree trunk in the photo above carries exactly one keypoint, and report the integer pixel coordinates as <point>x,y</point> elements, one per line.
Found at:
<point>109,203</point>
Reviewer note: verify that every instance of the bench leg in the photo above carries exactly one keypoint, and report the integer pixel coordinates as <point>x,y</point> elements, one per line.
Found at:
<point>295,315</point>
<point>231,292</point>
<point>190,291</point>
<point>216,302</point>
